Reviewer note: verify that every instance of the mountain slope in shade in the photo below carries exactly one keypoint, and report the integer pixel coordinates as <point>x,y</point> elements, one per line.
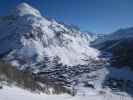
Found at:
<point>120,34</point>
<point>27,38</point>
<point>119,44</point>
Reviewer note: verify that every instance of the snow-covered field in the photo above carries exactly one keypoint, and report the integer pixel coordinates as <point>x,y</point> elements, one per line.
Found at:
<point>16,93</point>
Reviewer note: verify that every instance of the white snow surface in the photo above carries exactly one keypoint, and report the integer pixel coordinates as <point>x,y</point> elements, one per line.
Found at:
<point>25,9</point>
<point>16,93</point>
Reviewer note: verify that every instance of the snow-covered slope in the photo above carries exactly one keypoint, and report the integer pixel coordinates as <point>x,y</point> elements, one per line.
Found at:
<point>120,34</point>
<point>15,85</point>
<point>25,9</point>
<point>119,44</point>
<point>27,38</point>
<point>15,93</point>
<point>117,47</point>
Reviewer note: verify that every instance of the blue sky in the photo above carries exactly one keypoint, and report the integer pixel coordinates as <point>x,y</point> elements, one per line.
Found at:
<point>100,16</point>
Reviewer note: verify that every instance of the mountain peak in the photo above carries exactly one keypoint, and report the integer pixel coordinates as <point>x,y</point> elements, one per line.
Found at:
<point>25,9</point>
<point>23,5</point>
<point>34,38</point>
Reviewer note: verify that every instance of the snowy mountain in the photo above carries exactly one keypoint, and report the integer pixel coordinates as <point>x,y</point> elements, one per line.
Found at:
<point>120,34</point>
<point>117,47</point>
<point>46,48</point>
<point>27,38</point>
<point>50,57</point>
<point>119,44</point>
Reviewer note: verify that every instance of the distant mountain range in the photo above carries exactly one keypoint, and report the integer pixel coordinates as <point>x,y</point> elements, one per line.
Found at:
<point>119,44</point>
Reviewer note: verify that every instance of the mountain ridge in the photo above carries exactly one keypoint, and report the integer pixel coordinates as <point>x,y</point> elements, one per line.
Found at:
<point>34,37</point>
